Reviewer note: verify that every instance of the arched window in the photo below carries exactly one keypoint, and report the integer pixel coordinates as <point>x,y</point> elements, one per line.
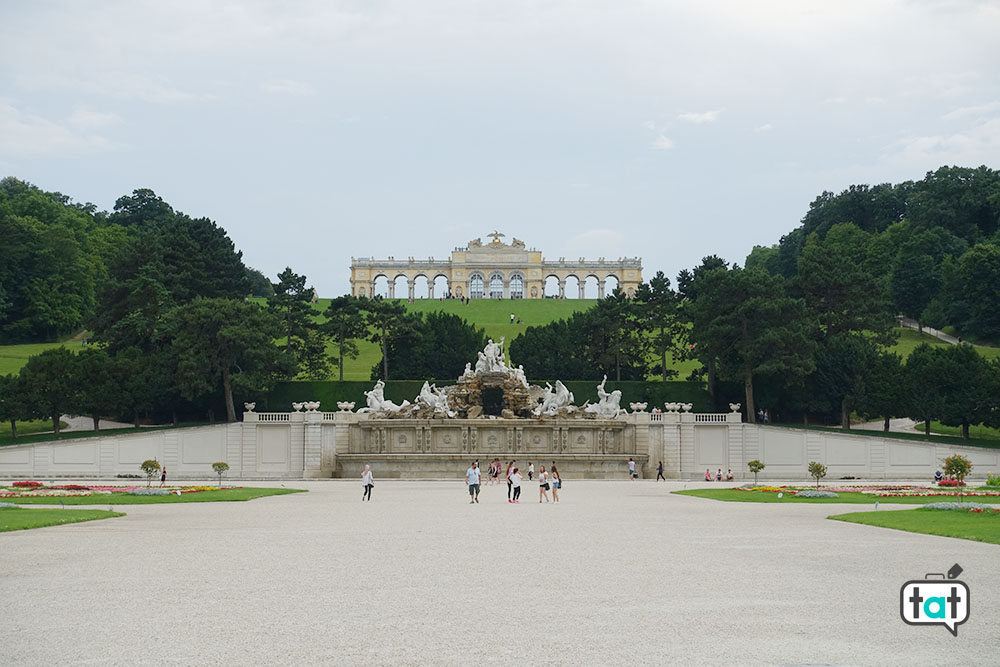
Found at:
<point>496,286</point>
<point>475,286</point>
<point>516,287</point>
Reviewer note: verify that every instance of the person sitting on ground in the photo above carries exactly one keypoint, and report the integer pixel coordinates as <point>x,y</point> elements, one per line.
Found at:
<point>718,475</point>
<point>708,475</point>
<point>937,476</point>
<point>729,475</point>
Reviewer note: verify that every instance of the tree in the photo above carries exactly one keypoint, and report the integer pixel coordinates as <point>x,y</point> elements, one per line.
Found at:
<point>305,341</point>
<point>385,319</point>
<point>817,470</point>
<point>743,321</point>
<point>923,371</point>
<point>979,276</point>
<point>661,309</point>
<point>149,467</point>
<point>966,387</point>
<point>48,379</point>
<point>914,281</point>
<point>258,283</point>
<point>884,394</point>
<point>616,339</point>
<point>220,468</point>
<point>957,467</point>
<point>552,351</point>
<point>223,343</point>
<point>844,365</point>
<point>755,467</point>
<point>97,390</point>
<point>13,406</point>
<point>345,323</point>
<point>437,345</point>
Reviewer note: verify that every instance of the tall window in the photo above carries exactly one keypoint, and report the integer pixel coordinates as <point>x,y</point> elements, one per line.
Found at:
<point>475,286</point>
<point>516,287</point>
<point>496,286</point>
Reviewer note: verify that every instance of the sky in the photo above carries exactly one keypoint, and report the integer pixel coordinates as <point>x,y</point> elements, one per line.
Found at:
<point>314,131</point>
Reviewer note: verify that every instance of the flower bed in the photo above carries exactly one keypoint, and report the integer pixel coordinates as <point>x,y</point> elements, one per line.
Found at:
<point>37,489</point>
<point>887,491</point>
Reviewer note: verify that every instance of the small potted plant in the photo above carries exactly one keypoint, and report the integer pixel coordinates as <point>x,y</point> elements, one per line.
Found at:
<point>817,470</point>
<point>150,467</point>
<point>755,467</point>
<point>220,468</point>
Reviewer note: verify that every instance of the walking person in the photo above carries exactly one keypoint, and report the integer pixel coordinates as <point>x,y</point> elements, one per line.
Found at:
<point>472,479</point>
<point>163,476</point>
<point>515,479</point>
<point>531,471</point>
<point>631,469</point>
<point>369,481</point>
<point>659,472</point>
<point>507,474</point>
<point>556,484</point>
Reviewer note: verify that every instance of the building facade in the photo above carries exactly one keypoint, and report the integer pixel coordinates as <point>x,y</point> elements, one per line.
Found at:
<point>494,270</point>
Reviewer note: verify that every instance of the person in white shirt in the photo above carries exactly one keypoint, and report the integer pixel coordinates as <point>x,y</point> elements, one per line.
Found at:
<point>515,479</point>
<point>543,484</point>
<point>531,471</point>
<point>472,479</point>
<point>631,469</point>
<point>369,481</point>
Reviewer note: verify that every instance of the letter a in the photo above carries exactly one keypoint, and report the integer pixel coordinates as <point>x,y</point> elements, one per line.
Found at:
<point>939,601</point>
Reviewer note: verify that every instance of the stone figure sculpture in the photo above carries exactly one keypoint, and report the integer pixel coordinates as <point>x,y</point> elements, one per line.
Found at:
<point>608,405</point>
<point>556,398</point>
<point>519,375</point>
<point>377,401</point>
<point>434,398</point>
<point>494,357</point>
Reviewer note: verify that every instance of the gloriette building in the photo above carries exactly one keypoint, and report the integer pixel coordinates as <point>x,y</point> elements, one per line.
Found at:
<point>495,270</point>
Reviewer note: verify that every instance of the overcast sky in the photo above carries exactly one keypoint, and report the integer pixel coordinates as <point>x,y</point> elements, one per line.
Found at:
<point>314,131</point>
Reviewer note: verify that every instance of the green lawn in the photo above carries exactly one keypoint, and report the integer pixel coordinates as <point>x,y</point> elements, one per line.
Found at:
<point>975,432</point>
<point>13,357</point>
<point>732,495</point>
<point>909,339</point>
<point>26,428</point>
<point>22,519</point>
<point>983,527</point>
<point>226,495</point>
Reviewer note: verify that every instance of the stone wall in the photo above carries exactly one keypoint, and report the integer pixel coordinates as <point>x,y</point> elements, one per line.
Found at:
<point>338,444</point>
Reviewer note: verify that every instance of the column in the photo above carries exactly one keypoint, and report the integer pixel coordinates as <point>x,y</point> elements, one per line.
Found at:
<point>410,287</point>
<point>582,286</point>
<point>562,288</point>
<point>430,289</point>
<point>600,289</point>
<point>392,289</point>
<point>506,289</point>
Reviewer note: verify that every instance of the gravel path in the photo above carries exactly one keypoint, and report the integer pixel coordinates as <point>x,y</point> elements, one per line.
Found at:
<point>618,573</point>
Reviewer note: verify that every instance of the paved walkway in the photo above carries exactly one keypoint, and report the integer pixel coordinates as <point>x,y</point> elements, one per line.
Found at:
<point>619,573</point>
<point>931,331</point>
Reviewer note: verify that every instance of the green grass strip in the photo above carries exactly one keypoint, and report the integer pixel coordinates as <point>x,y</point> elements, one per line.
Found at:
<point>983,527</point>
<point>732,495</point>
<point>24,519</point>
<point>225,495</point>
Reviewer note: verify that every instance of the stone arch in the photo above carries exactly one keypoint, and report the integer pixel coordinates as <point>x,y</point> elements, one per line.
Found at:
<point>380,287</point>
<point>611,283</point>
<point>439,286</point>
<point>572,286</point>
<point>591,286</point>
<point>400,286</point>
<point>551,289</point>
<point>421,290</point>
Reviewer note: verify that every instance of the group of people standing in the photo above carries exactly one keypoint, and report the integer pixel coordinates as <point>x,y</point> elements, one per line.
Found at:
<point>548,480</point>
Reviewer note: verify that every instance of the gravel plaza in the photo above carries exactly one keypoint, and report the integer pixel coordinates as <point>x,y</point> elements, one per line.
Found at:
<point>617,573</point>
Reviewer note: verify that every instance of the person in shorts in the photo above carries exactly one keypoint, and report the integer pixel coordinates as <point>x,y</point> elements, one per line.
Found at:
<point>543,484</point>
<point>472,479</point>
<point>631,469</point>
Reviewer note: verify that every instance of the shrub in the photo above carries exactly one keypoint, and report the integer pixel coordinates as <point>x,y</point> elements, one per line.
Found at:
<point>992,480</point>
<point>959,506</point>
<point>220,468</point>
<point>816,494</point>
<point>957,467</point>
<point>817,470</point>
<point>755,467</point>
<point>150,467</point>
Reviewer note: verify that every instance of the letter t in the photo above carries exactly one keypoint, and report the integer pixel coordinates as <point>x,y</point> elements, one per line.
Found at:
<point>916,599</point>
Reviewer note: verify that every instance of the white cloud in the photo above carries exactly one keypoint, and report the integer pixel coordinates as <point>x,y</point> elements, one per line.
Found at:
<point>287,87</point>
<point>83,117</point>
<point>700,118</point>
<point>766,127</point>
<point>23,134</point>
<point>976,145</point>
<point>977,111</point>
<point>663,143</point>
